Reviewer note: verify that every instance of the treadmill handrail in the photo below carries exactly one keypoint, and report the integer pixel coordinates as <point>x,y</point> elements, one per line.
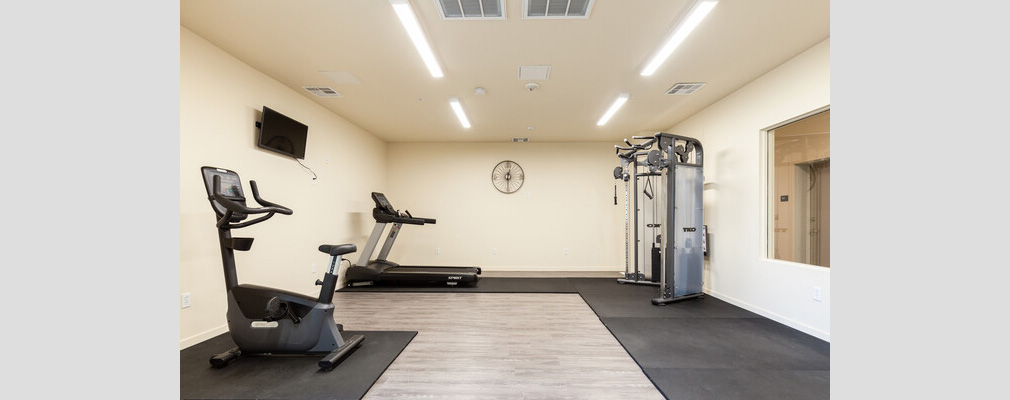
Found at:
<point>384,217</point>
<point>426,220</point>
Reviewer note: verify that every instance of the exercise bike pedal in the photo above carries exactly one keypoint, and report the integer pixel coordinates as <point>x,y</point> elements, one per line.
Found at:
<point>223,359</point>
<point>334,357</point>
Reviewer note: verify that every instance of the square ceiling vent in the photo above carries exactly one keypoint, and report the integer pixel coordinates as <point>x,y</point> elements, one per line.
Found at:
<point>685,88</point>
<point>341,77</point>
<point>557,9</point>
<point>534,72</point>
<point>471,9</point>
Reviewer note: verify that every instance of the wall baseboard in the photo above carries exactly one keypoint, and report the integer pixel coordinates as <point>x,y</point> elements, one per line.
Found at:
<point>198,338</point>
<point>826,336</point>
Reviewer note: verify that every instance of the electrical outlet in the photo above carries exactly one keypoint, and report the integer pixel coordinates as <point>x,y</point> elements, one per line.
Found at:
<point>566,251</point>
<point>438,251</point>
<point>314,268</point>
<point>817,293</point>
<point>494,250</point>
<point>186,300</point>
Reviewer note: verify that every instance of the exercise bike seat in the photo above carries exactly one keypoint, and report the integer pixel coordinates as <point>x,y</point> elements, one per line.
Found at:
<point>336,250</point>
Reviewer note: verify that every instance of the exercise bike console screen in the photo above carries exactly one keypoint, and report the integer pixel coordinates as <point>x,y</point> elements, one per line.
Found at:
<point>231,186</point>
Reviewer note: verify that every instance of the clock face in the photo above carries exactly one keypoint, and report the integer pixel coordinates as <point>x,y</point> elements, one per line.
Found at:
<point>507,176</point>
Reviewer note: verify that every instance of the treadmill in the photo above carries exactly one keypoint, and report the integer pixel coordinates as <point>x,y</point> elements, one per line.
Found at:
<point>381,271</point>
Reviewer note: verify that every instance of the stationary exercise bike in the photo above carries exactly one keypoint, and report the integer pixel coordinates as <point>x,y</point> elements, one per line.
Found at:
<point>263,320</point>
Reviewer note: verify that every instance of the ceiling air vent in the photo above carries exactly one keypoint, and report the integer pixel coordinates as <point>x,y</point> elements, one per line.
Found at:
<point>520,139</point>
<point>685,88</point>
<point>557,9</point>
<point>534,72</point>
<point>322,91</point>
<point>471,9</point>
<point>341,77</point>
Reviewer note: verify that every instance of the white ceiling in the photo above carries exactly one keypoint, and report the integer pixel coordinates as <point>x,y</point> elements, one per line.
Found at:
<point>592,61</point>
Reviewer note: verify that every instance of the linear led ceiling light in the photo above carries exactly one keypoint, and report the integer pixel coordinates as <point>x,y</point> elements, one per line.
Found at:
<point>694,17</point>
<point>409,21</point>
<point>458,109</point>
<point>613,109</point>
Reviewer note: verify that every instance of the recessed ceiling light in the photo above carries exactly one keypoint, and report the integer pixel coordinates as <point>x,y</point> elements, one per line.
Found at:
<point>613,109</point>
<point>458,109</point>
<point>684,28</point>
<point>409,21</point>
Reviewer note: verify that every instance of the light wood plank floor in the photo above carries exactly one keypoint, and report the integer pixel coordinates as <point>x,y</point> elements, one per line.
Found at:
<point>496,346</point>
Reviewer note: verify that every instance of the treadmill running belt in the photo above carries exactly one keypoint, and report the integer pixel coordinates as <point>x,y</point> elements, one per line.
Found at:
<point>419,274</point>
<point>431,270</point>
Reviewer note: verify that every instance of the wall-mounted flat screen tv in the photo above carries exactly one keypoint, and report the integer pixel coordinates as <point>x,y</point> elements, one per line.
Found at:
<point>281,134</point>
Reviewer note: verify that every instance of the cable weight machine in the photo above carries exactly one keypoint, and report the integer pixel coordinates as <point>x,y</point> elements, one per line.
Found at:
<point>633,165</point>
<point>673,166</point>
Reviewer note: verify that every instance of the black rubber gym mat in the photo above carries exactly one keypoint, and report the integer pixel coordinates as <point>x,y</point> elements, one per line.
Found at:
<point>610,299</point>
<point>288,376</point>
<point>484,285</point>
<point>707,348</point>
<point>719,343</point>
<point>740,384</point>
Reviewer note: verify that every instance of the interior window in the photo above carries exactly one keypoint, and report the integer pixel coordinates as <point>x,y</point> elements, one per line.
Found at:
<point>799,189</point>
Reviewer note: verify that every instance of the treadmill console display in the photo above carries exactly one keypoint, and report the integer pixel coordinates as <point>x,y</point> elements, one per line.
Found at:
<point>383,204</point>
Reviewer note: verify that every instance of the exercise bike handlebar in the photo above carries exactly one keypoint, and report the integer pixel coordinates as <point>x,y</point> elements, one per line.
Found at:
<point>269,206</point>
<point>240,208</point>
<point>235,207</point>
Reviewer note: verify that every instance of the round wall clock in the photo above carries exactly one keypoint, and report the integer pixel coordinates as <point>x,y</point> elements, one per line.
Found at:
<point>507,176</point>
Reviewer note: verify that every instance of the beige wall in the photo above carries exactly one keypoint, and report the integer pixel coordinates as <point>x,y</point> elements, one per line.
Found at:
<point>566,202</point>
<point>220,101</point>
<point>738,270</point>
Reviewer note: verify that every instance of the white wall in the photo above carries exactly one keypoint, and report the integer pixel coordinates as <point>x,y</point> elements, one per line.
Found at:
<point>220,101</point>
<point>731,133</point>
<point>566,202</point>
